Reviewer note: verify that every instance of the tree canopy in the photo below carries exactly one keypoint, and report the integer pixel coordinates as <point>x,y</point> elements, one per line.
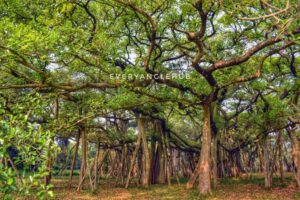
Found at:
<point>142,88</point>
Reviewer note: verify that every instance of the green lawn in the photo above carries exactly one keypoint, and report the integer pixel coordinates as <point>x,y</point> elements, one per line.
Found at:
<point>250,187</point>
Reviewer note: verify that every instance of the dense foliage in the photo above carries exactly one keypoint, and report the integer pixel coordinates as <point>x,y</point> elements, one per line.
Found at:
<point>148,89</point>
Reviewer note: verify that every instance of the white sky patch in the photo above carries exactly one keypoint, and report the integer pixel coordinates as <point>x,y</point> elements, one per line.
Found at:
<point>53,67</point>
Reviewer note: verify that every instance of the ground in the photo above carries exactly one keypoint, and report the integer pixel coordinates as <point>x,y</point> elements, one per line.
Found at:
<point>247,187</point>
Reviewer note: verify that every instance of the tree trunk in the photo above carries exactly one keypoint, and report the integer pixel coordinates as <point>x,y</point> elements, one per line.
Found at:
<point>193,178</point>
<point>214,146</point>
<point>152,161</point>
<point>214,154</point>
<point>84,158</point>
<point>260,157</point>
<point>47,178</point>
<point>134,157</point>
<point>295,154</point>
<point>204,167</point>
<point>161,167</point>
<point>74,158</point>
<point>267,173</point>
<point>166,159</point>
<point>220,166</point>
<point>124,162</point>
<point>96,166</point>
<point>280,155</point>
<point>146,156</point>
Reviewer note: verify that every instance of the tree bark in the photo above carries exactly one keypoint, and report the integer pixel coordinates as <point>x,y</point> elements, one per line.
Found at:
<point>47,178</point>
<point>84,158</point>
<point>96,166</point>
<point>193,178</point>
<point>260,157</point>
<point>166,159</point>
<point>204,167</point>
<point>123,162</point>
<point>280,155</point>
<point>152,161</point>
<point>161,167</point>
<point>146,156</point>
<point>295,154</point>
<point>74,158</point>
<point>267,173</point>
<point>214,154</point>
<point>134,157</point>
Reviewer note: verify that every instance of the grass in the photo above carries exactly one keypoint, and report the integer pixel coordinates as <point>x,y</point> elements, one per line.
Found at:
<point>246,187</point>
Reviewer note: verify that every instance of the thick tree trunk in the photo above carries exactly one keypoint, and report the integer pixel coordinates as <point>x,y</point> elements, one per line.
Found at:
<point>146,156</point>
<point>295,154</point>
<point>161,167</point>
<point>204,167</point>
<point>295,142</point>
